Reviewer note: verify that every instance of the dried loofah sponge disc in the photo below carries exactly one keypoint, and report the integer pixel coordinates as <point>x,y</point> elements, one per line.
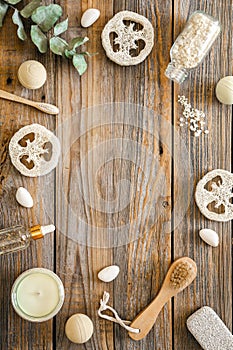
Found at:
<point>127,38</point>
<point>34,150</point>
<point>219,194</point>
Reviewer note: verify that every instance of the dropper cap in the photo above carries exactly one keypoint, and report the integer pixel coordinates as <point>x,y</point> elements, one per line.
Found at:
<point>39,231</point>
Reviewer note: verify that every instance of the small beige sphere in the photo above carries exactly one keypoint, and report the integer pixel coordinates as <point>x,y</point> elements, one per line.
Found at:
<point>79,328</point>
<point>224,90</point>
<point>32,74</point>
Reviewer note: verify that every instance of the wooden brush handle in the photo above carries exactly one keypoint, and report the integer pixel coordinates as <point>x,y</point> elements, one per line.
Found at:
<point>44,107</point>
<point>146,319</point>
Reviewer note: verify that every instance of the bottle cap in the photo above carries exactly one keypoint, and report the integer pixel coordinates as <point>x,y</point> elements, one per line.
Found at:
<point>39,231</point>
<point>175,73</point>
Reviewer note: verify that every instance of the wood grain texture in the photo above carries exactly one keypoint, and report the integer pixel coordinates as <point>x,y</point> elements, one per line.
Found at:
<point>16,333</point>
<point>213,285</point>
<point>118,169</point>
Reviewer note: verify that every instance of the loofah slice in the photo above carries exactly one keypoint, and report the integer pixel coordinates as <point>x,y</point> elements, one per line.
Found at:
<point>220,195</point>
<point>128,38</point>
<point>34,150</point>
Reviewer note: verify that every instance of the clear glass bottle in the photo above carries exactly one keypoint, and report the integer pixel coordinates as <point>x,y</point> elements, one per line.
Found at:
<point>16,238</point>
<point>192,45</point>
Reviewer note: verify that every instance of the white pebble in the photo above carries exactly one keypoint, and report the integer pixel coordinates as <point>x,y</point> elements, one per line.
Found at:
<point>109,273</point>
<point>24,198</point>
<point>209,236</point>
<point>89,17</point>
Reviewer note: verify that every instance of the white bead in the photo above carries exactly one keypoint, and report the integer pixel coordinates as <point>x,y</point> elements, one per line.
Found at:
<point>89,17</point>
<point>209,236</point>
<point>24,198</point>
<point>109,273</point>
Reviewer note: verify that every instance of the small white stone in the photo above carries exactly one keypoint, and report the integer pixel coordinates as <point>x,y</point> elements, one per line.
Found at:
<point>24,198</point>
<point>209,236</point>
<point>109,273</point>
<point>89,17</point>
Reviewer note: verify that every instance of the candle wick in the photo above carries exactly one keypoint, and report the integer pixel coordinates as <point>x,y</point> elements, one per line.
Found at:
<point>36,293</point>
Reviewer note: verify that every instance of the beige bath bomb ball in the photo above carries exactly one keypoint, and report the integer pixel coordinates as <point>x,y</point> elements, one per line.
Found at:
<point>79,328</point>
<point>32,74</point>
<point>224,90</point>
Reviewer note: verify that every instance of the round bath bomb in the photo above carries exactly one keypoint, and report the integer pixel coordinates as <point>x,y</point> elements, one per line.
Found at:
<point>79,328</point>
<point>32,74</point>
<point>224,90</point>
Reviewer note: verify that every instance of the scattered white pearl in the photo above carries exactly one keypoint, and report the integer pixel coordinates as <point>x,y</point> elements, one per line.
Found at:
<point>109,273</point>
<point>24,198</point>
<point>209,236</point>
<point>89,17</point>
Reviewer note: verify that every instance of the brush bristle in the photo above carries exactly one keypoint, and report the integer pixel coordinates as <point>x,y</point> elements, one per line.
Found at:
<point>182,275</point>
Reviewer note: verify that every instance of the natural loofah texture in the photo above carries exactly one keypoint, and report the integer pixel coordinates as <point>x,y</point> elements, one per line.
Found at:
<point>127,38</point>
<point>34,159</point>
<point>220,195</point>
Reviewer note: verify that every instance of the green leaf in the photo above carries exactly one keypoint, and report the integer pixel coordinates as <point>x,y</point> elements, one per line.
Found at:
<point>13,2</point>
<point>76,42</point>
<point>3,11</point>
<point>46,16</point>
<point>39,39</point>
<point>58,45</point>
<point>27,11</point>
<point>17,20</point>
<point>80,63</point>
<point>61,27</point>
<point>69,53</point>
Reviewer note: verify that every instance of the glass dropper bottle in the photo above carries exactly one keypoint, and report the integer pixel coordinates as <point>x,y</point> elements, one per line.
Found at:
<point>192,45</point>
<point>16,238</point>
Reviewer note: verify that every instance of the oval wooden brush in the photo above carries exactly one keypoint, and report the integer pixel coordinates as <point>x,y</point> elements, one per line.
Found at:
<point>180,274</point>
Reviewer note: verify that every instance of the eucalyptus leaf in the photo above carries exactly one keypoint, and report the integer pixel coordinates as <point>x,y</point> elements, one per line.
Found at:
<point>61,27</point>
<point>76,42</point>
<point>69,53</point>
<point>80,63</point>
<point>17,20</point>
<point>39,39</point>
<point>27,11</point>
<point>46,16</point>
<point>13,2</point>
<point>58,45</point>
<point>3,11</point>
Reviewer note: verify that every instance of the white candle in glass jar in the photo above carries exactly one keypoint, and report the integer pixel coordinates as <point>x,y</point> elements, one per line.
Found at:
<point>37,295</point>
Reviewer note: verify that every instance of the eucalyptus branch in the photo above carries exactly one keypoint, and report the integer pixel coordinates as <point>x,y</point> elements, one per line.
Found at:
<point>43,19</point>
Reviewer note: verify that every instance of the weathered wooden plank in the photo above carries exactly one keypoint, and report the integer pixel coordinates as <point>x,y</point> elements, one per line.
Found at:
<point>213,285</point>
<point>143,263</point>
<point>15,332</point>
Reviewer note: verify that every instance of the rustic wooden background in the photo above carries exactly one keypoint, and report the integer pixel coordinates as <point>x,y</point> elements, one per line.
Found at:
<point>143,262</point>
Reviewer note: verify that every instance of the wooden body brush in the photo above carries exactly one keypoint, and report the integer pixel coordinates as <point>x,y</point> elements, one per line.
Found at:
<point>44,107</point>
<point>180,274</point>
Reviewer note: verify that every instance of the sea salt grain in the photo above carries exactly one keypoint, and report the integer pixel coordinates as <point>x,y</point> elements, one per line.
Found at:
<point>195,119</point>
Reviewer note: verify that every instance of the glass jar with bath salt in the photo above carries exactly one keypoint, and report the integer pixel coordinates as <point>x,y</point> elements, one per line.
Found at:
<point>16,238</point>
<point>37,295</point>
<point>192,45</point>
